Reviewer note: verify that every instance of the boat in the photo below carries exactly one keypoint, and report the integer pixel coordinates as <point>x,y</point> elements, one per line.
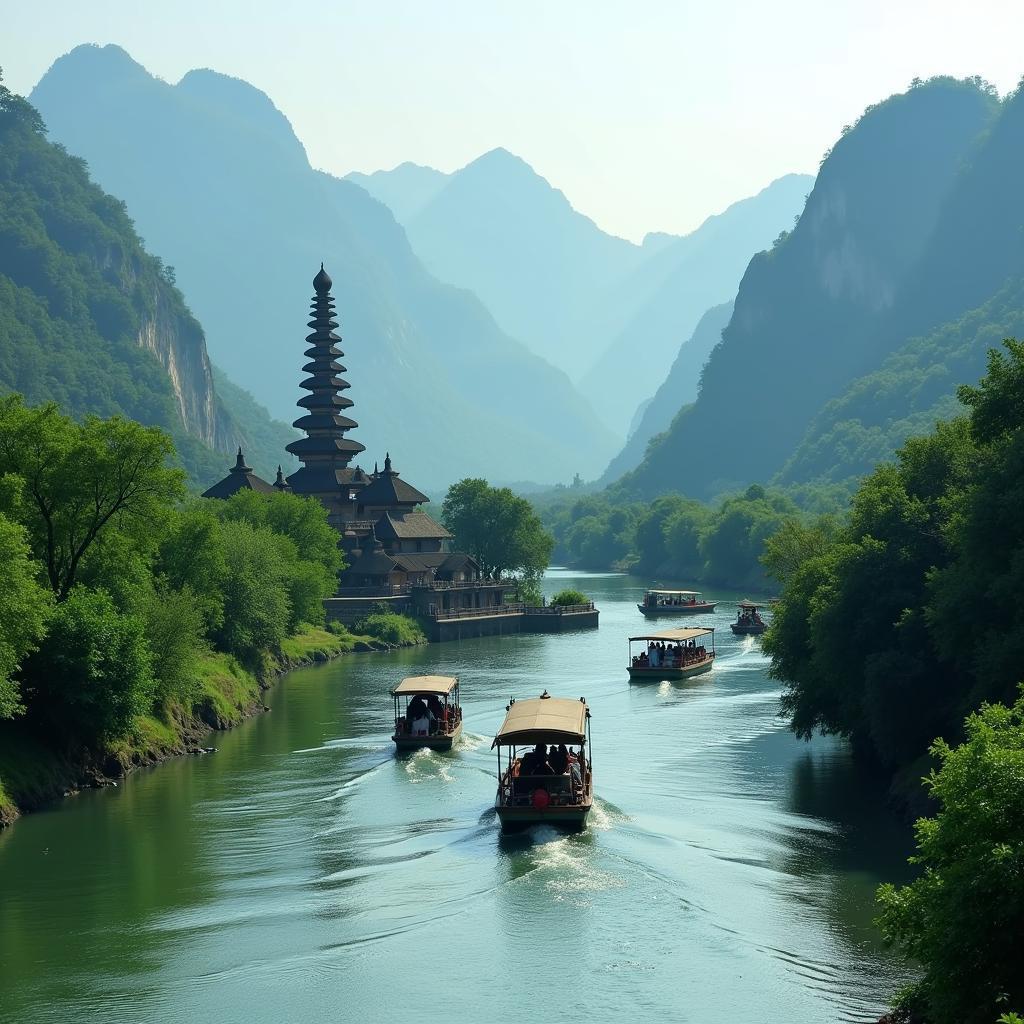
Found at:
<point>532,791</point>
<point>748,621</point>
<point>439,724</point>
<point>686,654</point>
<point>674,602</point>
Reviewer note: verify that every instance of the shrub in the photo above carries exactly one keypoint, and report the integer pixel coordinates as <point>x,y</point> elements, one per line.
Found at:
<point>566,597</point>
<point>400,630</point>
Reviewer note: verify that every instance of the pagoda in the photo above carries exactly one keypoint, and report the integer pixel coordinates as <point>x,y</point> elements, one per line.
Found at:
<point>325,452</point>
<point>241,478</point>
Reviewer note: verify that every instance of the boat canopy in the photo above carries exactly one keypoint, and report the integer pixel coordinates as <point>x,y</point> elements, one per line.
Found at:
<point>440,685</point>
<point>543,720</point>
<point>688,593</point>
<point>674,635</point>
<point>747,603</point>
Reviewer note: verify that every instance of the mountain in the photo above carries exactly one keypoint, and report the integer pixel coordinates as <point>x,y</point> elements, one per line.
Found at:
<point>88,318</point>
<point>404,190</point>
<point>589,302</point>
<point>833,298</point>
<point>671,290</point>
<point>678,391</point>
<point>218,182</point>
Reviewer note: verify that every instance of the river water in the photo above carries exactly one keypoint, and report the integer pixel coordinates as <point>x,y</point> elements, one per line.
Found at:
<point>303,873</point>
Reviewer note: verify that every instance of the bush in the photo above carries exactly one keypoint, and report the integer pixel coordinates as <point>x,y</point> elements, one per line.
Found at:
<point>174,630</point>
<point>400,630</point>
<point>963,919</point>
<point>94,674</point>
<point>566,597</point>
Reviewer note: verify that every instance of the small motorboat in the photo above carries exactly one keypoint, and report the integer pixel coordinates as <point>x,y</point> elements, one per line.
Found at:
<point>535,785</point>
<point>674,602</point>
<point>671,654</point>
<point>748,620</point>
<point>428,712</point>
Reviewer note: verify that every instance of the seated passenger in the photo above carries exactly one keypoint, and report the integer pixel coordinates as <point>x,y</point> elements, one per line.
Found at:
<point>559,759</point>
<point>421,726</point>
<point>417,709</point>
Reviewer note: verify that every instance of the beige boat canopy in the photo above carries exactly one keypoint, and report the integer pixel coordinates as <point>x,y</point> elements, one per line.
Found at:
<point>688,593</point>
<point>441,685</point>
<point>543,720</point>
<point>747,603</point>
<point>673,635</point>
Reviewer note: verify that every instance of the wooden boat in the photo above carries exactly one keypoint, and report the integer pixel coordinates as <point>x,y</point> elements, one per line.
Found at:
<point>674,602</point>
<point>686,655</point>
<point>437,727</point>
<point>531,790</point>
<point>748,621</point>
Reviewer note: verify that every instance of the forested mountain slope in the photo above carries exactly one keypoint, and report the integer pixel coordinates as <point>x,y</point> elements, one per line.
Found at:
<point>219,183</point>
<point>678,390</point>
<point>822,308</point>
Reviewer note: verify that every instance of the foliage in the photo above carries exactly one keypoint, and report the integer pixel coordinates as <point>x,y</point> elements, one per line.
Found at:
<point>569,597</point>
<point>399,630</point>
<point>963,918</point>
<point>500,530</point>
<point>25,607</point>
<point>175,631</point>
<point>82,479</point>
<point>94,673</point>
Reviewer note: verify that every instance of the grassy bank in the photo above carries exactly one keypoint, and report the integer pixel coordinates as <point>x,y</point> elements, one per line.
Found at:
<point>33,773</point>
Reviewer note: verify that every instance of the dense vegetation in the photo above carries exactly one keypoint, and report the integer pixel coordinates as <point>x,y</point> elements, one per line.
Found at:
<point>963,918</point>
<point>677,538</point>
<point>120,589</point>
<point>500,530</point>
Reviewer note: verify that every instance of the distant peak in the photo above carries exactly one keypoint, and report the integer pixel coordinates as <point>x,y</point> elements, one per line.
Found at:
<point>92,58</point>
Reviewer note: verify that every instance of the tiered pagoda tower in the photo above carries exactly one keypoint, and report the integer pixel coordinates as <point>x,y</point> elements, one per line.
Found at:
<point>325,452</point>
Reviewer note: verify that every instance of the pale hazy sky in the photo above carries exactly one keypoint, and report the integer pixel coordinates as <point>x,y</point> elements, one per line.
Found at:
<point>649,114</point>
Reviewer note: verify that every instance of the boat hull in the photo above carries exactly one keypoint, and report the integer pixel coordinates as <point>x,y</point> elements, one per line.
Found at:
<point>660,611</point>
<point>569,817</point>
<point>656,675</point>
<point>444,741</point>
<point>747,630</point>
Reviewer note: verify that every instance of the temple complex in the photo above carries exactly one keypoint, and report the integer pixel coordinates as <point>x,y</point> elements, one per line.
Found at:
<point>396,553</point>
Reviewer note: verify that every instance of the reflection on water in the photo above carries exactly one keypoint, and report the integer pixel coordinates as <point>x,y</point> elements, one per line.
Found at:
<point>303,871</point>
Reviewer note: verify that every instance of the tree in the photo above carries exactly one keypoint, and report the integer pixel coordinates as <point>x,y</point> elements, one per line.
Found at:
<point>94,673</point>
<point>795,542</point>
<point>80,480</point>
<point>25,607</point>
<point>963,918</point>
<point>175,628</point>
<point>500,530</point>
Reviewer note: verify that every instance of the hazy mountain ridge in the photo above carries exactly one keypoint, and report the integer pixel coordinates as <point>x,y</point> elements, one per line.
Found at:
<point>216,179</point>
<point>590,302</point>
<point>821,308</point>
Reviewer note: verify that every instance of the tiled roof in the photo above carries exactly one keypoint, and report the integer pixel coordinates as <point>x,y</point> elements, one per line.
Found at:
<point>415,525</point>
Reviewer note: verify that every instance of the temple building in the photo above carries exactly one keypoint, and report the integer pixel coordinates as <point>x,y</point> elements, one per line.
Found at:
<point>395,551</point>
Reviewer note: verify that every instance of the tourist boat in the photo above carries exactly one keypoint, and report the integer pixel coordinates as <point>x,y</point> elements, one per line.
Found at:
<point>748,621</point>
<point>686,654</point>
<point>528,794</point>
<point>439,725</point>
<point>674,602</point>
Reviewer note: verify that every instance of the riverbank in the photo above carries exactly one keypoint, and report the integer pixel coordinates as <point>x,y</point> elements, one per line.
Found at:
<point>33,774</point>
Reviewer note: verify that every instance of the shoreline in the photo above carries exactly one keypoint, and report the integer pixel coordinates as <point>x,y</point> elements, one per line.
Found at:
<point>237,697</point>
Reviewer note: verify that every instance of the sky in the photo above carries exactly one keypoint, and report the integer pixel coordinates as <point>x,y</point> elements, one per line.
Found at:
<point>649,114</point>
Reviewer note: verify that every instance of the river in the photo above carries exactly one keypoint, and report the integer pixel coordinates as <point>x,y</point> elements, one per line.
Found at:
<point>303,873</point>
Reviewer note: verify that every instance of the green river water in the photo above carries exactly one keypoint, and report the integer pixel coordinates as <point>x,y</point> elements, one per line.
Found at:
<point>303,873</point>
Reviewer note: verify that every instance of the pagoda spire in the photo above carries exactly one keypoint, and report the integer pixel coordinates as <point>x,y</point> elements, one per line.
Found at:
<point>325,451</point>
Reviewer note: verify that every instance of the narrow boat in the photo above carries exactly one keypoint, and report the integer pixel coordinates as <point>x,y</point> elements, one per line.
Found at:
<point>671,654</point>
<point>537,785</point>
<point>674,602</point>
<point>748,621</point>
<point>427,712</point>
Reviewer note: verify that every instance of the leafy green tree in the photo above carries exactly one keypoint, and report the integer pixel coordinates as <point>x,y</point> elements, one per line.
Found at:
<point>191,555</point>
<point>175,630</point>
<point>795,542</point>
<point>569,597</point>
<point>94,673</point>
<point>82,479</point>
<point>500,530</point>
<point>682,532</point>
<point>963,918</point>
<point>25,607</point>
<point>650,532</point>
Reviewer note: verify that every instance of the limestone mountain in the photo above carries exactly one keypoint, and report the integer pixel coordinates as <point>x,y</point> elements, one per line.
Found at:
<point>217,180</point>
<point>88,318</point>
<point>678,390</point>
<point>588,301</point>
<point>404,190</point>
<point>834,298</point>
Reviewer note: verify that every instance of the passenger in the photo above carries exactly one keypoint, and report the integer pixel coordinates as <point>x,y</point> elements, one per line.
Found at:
<point>436,709</point>
<point>581,765</point>
<point>559,759</point>
<point>416,709</point>
<point>421,726</point>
